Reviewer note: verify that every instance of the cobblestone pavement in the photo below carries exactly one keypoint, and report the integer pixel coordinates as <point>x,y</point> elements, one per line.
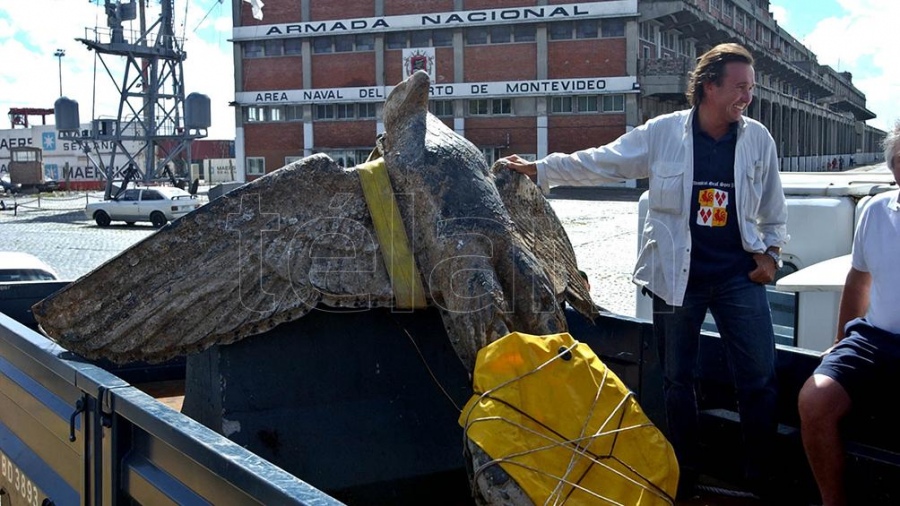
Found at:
<point>601,223</point>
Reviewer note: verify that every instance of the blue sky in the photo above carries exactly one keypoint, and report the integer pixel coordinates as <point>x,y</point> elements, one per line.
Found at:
<point>848,35</point>
<point>857,36</point>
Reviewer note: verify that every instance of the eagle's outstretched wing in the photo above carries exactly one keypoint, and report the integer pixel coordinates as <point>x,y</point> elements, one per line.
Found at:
<point>262,254</point>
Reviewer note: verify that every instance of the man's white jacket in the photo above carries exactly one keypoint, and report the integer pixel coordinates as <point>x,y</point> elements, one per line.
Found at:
<point>663,151</point>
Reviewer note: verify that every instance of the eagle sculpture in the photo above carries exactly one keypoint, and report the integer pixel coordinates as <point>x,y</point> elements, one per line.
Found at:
<point>488,250</point>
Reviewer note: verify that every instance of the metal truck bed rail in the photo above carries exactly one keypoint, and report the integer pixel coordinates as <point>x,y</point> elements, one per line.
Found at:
<point>74,433</point>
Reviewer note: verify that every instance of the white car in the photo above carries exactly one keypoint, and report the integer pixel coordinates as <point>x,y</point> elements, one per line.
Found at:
<point>158,205</point>
<point>16,266</point>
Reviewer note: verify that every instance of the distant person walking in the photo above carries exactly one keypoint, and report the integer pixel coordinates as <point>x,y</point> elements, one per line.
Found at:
<point>865,358</point>
<point>711,240</point>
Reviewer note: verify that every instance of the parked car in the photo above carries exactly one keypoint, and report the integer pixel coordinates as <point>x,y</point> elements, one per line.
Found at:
<point>7,186</point>
<point>18,266</point>
<point>49,185</point>
<point>158,205</point>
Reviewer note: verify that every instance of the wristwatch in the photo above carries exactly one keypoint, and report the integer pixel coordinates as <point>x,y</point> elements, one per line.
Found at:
<point>775,256</point>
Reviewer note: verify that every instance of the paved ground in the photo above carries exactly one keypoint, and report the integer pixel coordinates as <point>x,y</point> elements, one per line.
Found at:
<point>601,223</point>
<point>56,230</point>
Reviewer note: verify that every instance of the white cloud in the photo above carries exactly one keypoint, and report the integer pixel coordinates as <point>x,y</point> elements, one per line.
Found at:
<point>862,41</point>
<point>781,15</point>
<point>31,32</point>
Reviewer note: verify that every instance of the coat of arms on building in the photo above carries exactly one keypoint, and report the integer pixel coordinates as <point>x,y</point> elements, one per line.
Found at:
<point>421,58</point>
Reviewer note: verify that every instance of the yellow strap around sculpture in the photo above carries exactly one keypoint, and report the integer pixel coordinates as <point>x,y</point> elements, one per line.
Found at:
<point>398,258</point>
<point>564,426</point>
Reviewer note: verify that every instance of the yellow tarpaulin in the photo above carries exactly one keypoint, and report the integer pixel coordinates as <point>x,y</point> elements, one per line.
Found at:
<point>564,426</point>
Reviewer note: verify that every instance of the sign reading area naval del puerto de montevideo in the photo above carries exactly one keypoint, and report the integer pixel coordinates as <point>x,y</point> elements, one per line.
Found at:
<point>577,86</point>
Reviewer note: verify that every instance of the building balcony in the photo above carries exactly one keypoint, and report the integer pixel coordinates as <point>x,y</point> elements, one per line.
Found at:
<point>692,22</point>
<point>665,78</point>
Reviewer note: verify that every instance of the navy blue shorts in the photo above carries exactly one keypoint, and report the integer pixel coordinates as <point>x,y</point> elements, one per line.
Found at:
<point>865,362</point>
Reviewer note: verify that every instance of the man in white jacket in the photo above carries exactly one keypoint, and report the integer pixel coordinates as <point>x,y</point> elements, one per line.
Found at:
<point>711,241</point>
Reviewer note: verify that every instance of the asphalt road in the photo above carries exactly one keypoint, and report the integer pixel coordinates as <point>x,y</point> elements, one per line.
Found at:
<point>601,224</point>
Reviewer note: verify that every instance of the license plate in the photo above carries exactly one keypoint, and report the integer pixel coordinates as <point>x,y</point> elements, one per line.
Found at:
<point>18,486</point>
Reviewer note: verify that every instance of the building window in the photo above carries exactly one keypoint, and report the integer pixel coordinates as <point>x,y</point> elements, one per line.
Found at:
<point>561,105</point>
<point>500,106</point>
<point>647,32</point>
<point>255,113</point>
<point>441,108</point>
<point>501,34</point>
<point>293,46</point>
<point>442,38</point>
<point>291,159</point>
<point>343,43</point>
<point>365,42</point>
<point>253,49</point>
<point>276,113</point>
<point>478,107</point>
<point>714,5</point>
<point>293,112</point>
<point>613,103</point>
<point>274,47</point>
<point>366,110</point>
<point>420,38</point>
<point>525,33</point>
<point>347,157</point>
<point>586,104</point>
<point>476,36</point>
<point>586,29</point>
<point>560,30</point>
<point>328,112</point>
<point>323,44</point>
<point>668,40</point>
<point>256,166</point>
<point>396,40</point>
<point>484,107</point>
<point>491,155</point>
<point>344,111</point>
<point>612,27</point>
<point>323,111</point>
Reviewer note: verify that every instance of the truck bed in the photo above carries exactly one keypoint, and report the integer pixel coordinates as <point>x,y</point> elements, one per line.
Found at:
<point>127,444</point>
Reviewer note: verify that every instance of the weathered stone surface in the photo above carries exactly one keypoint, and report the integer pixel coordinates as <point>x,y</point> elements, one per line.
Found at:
<point>492,254</point>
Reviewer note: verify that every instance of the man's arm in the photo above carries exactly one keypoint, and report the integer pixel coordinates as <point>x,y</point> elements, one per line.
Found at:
<point>854,299</point>
<point>772,217</point>
<point>625,158</point>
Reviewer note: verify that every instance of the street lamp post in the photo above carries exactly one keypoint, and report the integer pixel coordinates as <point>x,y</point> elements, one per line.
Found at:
<point>59,54</point>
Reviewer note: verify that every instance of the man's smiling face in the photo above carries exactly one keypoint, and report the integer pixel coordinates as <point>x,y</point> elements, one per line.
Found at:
<point>728,100</point>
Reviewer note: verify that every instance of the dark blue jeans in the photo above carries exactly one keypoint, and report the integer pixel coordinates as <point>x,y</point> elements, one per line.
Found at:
<point>741,311</point>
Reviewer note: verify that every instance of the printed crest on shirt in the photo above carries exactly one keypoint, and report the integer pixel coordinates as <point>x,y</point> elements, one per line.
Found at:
<point>713,208</point>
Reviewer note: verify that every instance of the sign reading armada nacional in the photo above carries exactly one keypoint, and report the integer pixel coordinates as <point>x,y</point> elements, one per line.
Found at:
<point>534,14</point>
<point>447,91</point>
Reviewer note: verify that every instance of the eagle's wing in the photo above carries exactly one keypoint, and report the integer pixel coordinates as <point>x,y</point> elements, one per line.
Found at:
<point>265,253</point>
<point>540,229</point>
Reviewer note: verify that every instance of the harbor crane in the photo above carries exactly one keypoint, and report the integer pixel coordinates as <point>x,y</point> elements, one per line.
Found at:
<point>155,123</point>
